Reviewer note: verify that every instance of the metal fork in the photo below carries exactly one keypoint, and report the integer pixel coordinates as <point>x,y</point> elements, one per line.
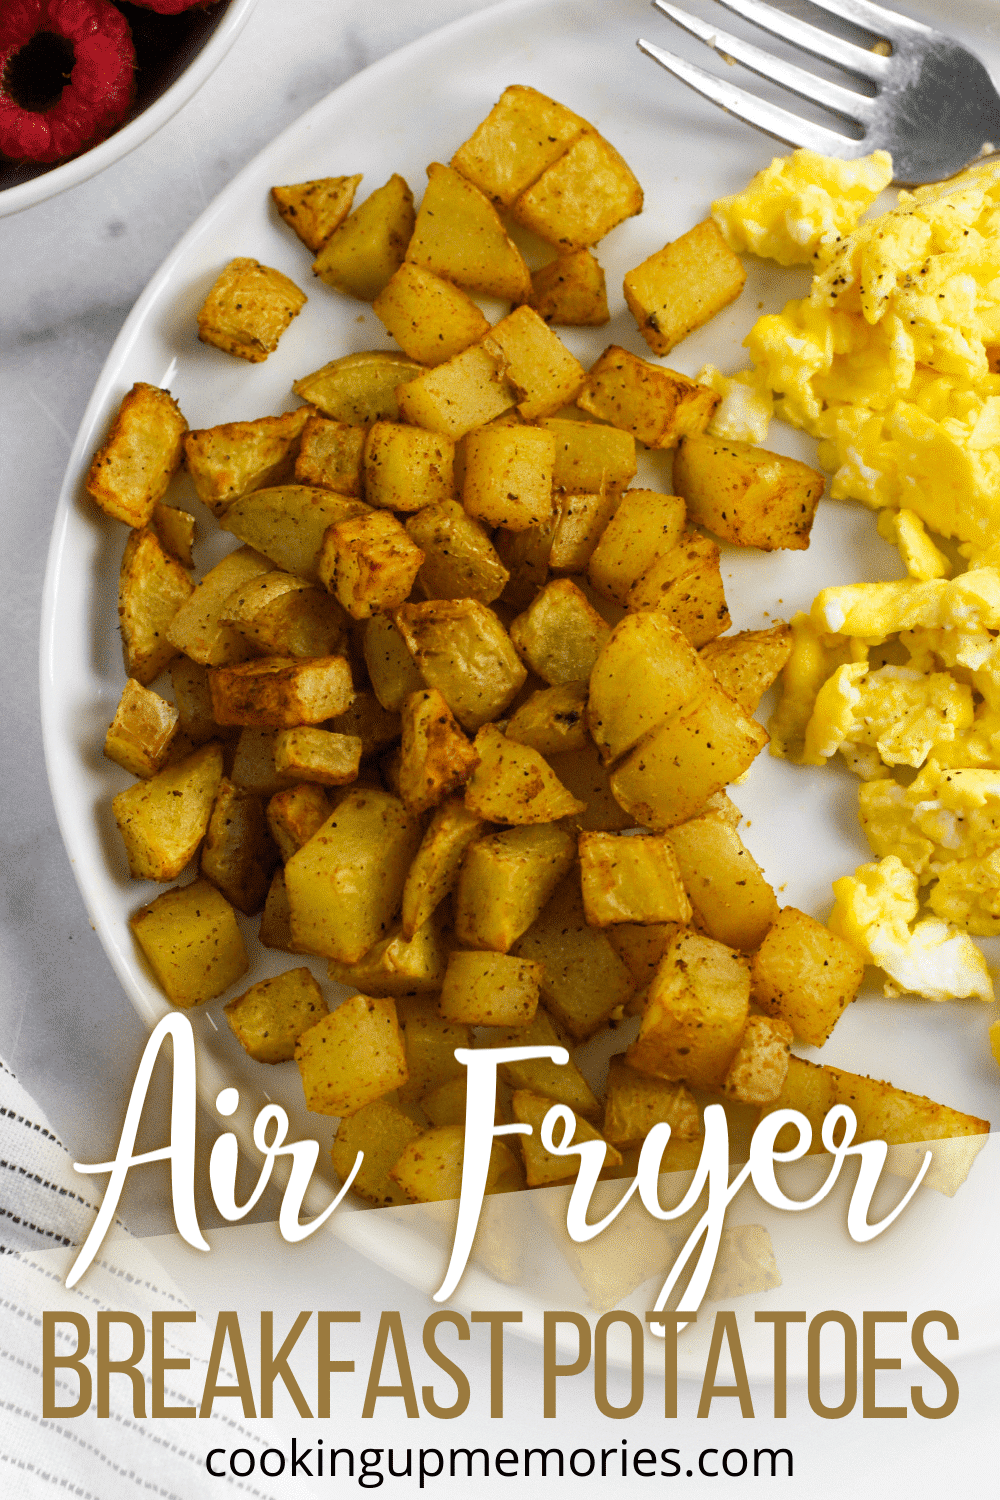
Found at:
<point>934,107</point>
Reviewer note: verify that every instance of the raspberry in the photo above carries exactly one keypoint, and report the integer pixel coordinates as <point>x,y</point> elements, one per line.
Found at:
<point>66,76</point>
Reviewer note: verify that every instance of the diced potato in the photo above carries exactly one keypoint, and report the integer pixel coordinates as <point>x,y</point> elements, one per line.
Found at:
<point>571,290</point>
<point>286,616</point>
<point>143,452</point>
<point>589,456</point>
<point>582,772</point>
<point>640,949</point>
<point>279,692</point>
<point>490,989</point>
<point>541,1166</point>
<point>393,672</point>
<point>683,285</point>
<point>733,902</point>
<point>318,755</point>
<point>253,763</point>
<point>248,309</point>
<point>191,940</point>
<point>398,966</point>
<point>757,1073</point>
<point>581,196</point>
<point>582,521</point>
<point>228,461</point>
<point>647,672</point>
<point>345,885</point>
<point>553,720</point>
<point>275,926</point>
<point>238,855</point>
<point>746,664</point>
<point>430,1043</point>
<point>505,880</point>
<point>152,587</point>
<point>381,1130</point>
<point>459,235</point>
<point>430,1168</point>
<point>351,1056</point>
<point>658,406</point>
<point>513,784</point>
<point>315,209</point>
<point>359,388</point>
<point>369,562</point>
<point>330,456</point>
<point>560,635</point>
<point>406,468</point>
<point>361,255</point>
<point>288,524</point>
<point>685,584</point>
<point>175,531</point>
<point>446,1105</point>
<point>369,722</point>
<point>747,495</point>
<point>695,1014</point>
<point>140,733</point>
<point>645,526</point>
<point>630,879</point>
<point>464,392</point>
<point>430,318</point>
<point>525,554</point>
<point>197,627</point>
<point>636,1102</point>
<point>162,821</point>
<point>508,476</point>
<point>536,364</point>
<point>295,814</point>
<point>433,874</point>
<point>805,974</point>
<point>460,561</point>
<point>811,1090</point>
<point>268,1019</point>
<point>562,1083</point>
<point>460,647</point>
<point>584,980</point>
<point>436,757</point>
<point>523,134</point>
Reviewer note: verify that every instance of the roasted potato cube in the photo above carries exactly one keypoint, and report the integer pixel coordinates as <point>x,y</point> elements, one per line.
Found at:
<point>656,405</point>
<point>175,531</point>
<point>286,616</point>
<point>330,456</point>
<point>647,672</point>
<point>695,1014</point>
<point>436,756</point>
<point>508,476</point>
<point>191,940</point>
<point>279,692</point>
<point>460,561</point>
<point>584,980</point>
<point>228,461</point>
<point>197,628</point>
<point>560,635</point>
<point>523,134</point>
<point>745,665</point>
<point>430,318</point>
<point>630,879</point>
<point>315,209</point>
<point>398,966</point>
<point>582,521</point>
<point>369,562</point>
<point>434,872</point>
<point>369,722</point>
<point>535,362</point>
<point>163,820</point>
<point>733,902</point>
<point>430,1168</point>
<point>504,882</point>
<point>812,1091</point>
<point>757,1072</point>
<point>541,1166</point>
<point>459,235</point>
<point>361,255</point>
<point>460,647</point>
<point>513,784</point>
<point>393,672</point>
<point>351,1056</point>
<point>685,584</point>
<point>805,974</point>
<point>238,854</point>
<point>446,1105</point>
<point>287,524</point>
<point>644,527</point>
<point>559,1082</point>
<point>571,290</point>
<point>248,309</point>
<point>581,771</point>
<point>430,1043</point>
<point>683,285</point>
<point>747,495</point>
<point>140,733</point>
<point>464,392</point>
<point>253,763</point>
<point>640,949</point>
<point>268,1019</point>
<point>636,1102</point>
<point>318,755</point>
<point>590,457</point>
<point>143,452</point>
<point>525,554</point>
<point>359,388</point>
<point>381,1131</point>
<point>275,926</point>
<point>553,720</point>
<point>581,196</point>
<point>295,814</point>
<point>152,587</point>
<point>490,989</point>
<point>406,468</point>
<point>345,885</point>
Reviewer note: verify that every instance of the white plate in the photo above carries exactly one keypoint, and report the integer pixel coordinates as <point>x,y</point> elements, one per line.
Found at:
<point>410,109</point>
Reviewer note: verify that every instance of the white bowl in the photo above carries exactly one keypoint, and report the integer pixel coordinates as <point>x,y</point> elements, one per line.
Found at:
<point>57,178</point>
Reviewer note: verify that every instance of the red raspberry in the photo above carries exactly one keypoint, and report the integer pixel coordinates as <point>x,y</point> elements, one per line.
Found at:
<point>66,73</point>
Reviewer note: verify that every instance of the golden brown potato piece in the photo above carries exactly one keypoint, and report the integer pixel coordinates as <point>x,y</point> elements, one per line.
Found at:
<point>351,1056</point>
<point>406,468</point>
<point>197,628</point>
<point>361,255</point>
<point>430,1168</point>
<point>464,392</point>
<point>285,616</point>
<point>295,814</point>
<point>393,672</point>
<point>434,872</point>
<point>508,476</point>
<point>513,784</point>
<point>175,531</point>
<point>359,388</point>
<point>541,1166</point>
<point>560,635</point>
<point>315,209</point>
<point>460,561</point>
<point>561,1082</point>
<point>656,405</point>
<point>733,901</point>
<point>571,290</point>
<point>695,1014</point>
<point>396,965</point>
<point>582,772</point>
<point>644,527</point>
<point>523,134</point>
<point>436,757</point>
<point>631,879</point>
<point>369,722</point>
<point>381,1131</point>
<point>505,880</point>
<point>490,989</point>
<point>747,495</point>
<point>430,318</point>
<point>430,1043</point>
<point>162,821</point>
<point>583,519</point>
<point>268,1018</point>
<point>647,672</point>
<point>746,664</point>
<point>330,456</point>
<point>192,942</point>
<point>686,585</point>
<point>553,720</point>
<point>238,855</point>
<point>683,285</point>
<point>757,1073</point>
<point>278,692</point>
<point>589,456</point>
<point>641,948</point>
<point>459,235</point>
<point>248,309</point>
<point>636,1102</point>
<point>143,452</point>
<point>253,763</point>
<point>228,461</point>
<point>369,562</point>
<point>287,524</point>
<point>460,647</point>
<point>581,196</point>
<point>525,554</point>
<point>805,974</point>
<point>140,733</point>
<point>544,375</point>
<point>318,755</point>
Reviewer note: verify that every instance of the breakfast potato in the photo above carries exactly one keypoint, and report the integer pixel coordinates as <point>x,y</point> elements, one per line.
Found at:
<point>369,562</point>
<point>430,318</point>
<point>525,555</point>
<point>590,457</point>
<point>279,692</point>
<point>636,1102</point>
<point>656,405</point>
<point>393,672</point>
<point>560,635</point>
<point>175,531</point>
<point>360,388</point>
<point>757,1073</point>
<point>581,196</point>
<point>367,721</point>
<point>433,874</point>
<point>163,820</point>
<point>490,989</point>
<point>140,734</point>
<point>315,209</point>
<point>227,461</point>
<point>430,1041</point>
<point>523,133</point>
<point>430,1167</point>
<point>248,308</point>
<point>553,720</point>
<point>695,1014</point>
<point>732,901</point>
<point>330,456</point>
<point>295,814</point>
<point>406,468</point>
<point>460,647</point>
<point>571,290</point>
<point>640,949</point>
<point>686,585</point>
<point>559,1083</point>
<point>459,235</point>
<point>460,561</point>
<point>436,757</point>
<point>197,627</point>
<point>747,495</point>
<point>805,974</point>
<point>287,524</point>
<point>508,476</point>
<point>583,519</point>
<point>275,929</point>
<point>190,938</point>
<point>285,616</point>
<point>361,255</point>
<point>583,774</point>
<point>464,392</point>
<point>746,664</point>
<point>193,698</point>
<point>542,372</point>
<point>380,1131</point>
<point>631,879</point>
<point>505,880</point>
<point>541,1166</point>
<point>268,1018</point>
<point>143,452</point>
<point>647,672</point>
<point>152,587</point>
<point>683,285</point>
<point>511,783</point>
<point>397,965</point>
<point>318,755</point>
<point>253,763</point>
<point>351,1056</point>
<point>645,526</point>
<point>238,855</point>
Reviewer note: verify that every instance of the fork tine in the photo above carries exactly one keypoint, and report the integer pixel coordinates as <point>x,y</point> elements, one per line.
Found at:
<point>770,118</point>
<point>846,102</point>
<point>875,18</point>
<point>810,38</point>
